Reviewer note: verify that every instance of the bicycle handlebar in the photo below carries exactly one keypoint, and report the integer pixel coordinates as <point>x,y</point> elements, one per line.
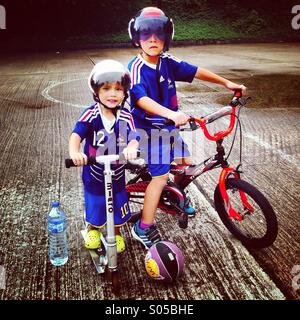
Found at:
<point>203,121</point>
<point>229,110</point>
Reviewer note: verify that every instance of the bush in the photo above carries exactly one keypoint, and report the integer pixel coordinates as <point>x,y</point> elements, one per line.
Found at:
<point>251,24</point>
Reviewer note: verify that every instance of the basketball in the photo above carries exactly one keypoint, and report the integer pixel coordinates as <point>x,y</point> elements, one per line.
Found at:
<point>164,261</point>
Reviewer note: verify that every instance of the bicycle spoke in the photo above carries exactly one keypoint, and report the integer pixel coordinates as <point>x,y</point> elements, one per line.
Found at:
<point>136,201</point>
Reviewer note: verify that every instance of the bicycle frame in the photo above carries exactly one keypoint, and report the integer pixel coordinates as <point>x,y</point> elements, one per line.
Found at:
<point>193,172</point>
<point>187,174</point>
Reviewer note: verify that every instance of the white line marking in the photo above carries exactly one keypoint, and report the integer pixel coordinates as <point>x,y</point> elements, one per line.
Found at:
<point>53,84</point>
<point>281,154</point>
<point>256,139</point>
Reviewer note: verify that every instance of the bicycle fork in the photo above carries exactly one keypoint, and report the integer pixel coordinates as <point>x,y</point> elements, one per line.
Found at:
<point>222,183</point>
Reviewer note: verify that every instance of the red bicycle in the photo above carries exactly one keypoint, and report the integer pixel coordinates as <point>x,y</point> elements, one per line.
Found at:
<point>243,209</point>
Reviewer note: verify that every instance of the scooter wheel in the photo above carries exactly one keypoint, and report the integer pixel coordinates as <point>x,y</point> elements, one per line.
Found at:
<point>115,281</point>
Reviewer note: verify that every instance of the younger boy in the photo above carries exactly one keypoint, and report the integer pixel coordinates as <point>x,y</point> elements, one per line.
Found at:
<point>101,126</point>
<point>153,100</point>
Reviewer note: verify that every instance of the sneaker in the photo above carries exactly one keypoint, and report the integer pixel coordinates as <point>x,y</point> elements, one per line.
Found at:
<point>92,239</point>
<point>189,210</point>
<point>147,236</point>
<point>120,243</point>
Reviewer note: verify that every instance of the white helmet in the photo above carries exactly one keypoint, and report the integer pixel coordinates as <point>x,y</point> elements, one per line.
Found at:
<point>108,71</point>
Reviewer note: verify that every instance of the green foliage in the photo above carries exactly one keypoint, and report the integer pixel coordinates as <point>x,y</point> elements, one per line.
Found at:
<point>187,9</point>
<point>203,29</point>
<point>250,24</point>
<point>63,22</point>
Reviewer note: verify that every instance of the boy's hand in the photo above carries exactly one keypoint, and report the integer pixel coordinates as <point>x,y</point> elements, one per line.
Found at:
<point>130,153</point>
<point>79,158</point>
<point>179,118</point>
<point>233,86</point>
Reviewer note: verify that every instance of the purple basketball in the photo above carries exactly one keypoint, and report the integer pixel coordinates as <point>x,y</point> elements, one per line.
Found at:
<point>164,261</point>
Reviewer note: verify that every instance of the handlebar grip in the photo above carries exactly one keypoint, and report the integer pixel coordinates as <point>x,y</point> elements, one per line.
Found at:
<point>238,93</point>
<point>138,153</point>
<point>169,122</point>
<point>69,162</point>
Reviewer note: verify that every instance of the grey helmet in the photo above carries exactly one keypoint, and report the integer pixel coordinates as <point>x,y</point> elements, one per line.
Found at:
<point>108,71</point>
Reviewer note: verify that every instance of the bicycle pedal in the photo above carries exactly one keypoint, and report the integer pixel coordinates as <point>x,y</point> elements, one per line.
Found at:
<point>183,221</point>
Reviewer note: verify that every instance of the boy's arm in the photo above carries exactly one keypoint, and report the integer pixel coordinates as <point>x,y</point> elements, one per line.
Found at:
<point>133,144</point>
<point>78,157</point>
<point>130,151</point>
<point>206,75</point>
<point>152,107</point>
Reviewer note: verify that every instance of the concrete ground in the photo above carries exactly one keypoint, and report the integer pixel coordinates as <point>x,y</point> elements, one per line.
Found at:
<point>42,95</point>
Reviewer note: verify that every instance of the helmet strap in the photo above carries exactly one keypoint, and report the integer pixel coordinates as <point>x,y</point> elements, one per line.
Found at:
<point>158,80</point>
<point>157,76</point>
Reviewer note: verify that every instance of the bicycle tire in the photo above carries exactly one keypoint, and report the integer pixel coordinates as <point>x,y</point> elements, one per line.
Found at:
<point>115,282</point>
<point>261,203</point>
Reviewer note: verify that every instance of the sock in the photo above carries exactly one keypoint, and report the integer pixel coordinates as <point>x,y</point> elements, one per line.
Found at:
<point>144,225</point>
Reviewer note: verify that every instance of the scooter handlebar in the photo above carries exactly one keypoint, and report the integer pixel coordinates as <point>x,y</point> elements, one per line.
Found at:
<point>100,159</point>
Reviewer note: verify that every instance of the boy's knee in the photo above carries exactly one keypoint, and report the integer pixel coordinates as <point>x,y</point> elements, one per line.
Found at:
<point>161,180</point>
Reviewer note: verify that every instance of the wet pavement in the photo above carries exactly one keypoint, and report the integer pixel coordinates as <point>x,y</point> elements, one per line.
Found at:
<point>41,96</point>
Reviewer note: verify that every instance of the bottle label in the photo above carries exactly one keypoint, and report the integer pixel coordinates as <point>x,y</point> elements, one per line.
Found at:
<point>56,227</point>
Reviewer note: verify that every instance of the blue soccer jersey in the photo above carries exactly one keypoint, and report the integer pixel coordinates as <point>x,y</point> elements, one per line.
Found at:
<point>102,137</point>
<point>144,79</point>
<point>159,86</point>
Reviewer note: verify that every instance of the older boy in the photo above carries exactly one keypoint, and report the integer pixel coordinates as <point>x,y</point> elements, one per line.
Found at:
<point>153,100</point>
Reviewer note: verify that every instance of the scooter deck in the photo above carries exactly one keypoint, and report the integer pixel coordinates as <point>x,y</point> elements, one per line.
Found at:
<point>98,255</point>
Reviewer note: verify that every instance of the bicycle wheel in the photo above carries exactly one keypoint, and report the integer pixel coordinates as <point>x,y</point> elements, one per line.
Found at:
<point>257,229</point>
<point>115,282</point>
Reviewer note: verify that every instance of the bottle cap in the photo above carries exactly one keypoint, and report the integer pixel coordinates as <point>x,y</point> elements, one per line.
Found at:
<point>55,204</point>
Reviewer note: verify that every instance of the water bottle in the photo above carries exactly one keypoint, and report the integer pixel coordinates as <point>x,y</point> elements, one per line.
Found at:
<point>57,235</point>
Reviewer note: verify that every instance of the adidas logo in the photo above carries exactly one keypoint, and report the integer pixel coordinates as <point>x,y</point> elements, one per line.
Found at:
<point>161,79</point>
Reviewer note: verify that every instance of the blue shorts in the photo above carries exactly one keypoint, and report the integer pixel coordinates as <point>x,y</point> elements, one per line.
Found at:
<point>95,208</point>
<point>162,154</point>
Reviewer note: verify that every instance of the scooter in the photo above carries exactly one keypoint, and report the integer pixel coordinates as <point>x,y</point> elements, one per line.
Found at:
<point>106,255</point>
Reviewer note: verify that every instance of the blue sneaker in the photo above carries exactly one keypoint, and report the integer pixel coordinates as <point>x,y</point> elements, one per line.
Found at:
<point>188,209</point>
<point>147,236</point>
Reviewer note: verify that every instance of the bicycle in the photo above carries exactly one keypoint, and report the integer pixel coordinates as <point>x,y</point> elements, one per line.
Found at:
<point>232,194</point>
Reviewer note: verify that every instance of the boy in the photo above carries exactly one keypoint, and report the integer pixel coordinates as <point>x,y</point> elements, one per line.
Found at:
<point>153,100</point>
<point>101,125</point>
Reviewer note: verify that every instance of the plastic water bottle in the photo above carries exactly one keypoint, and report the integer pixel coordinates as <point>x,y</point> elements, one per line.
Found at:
<point>57,235</point>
